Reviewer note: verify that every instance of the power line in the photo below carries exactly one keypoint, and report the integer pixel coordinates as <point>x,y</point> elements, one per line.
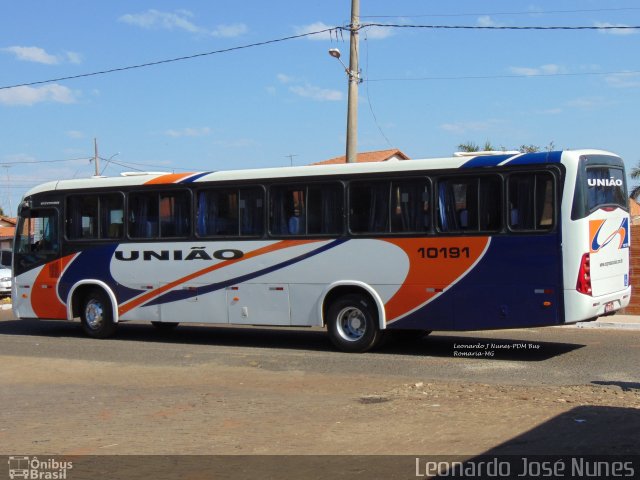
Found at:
<point>375,119</point>
<point>308,34</point>
<point>499,27</point>
<point>532,12</point>
<point>29,162</point>
<point>489,77</point>
<point>171,60</point>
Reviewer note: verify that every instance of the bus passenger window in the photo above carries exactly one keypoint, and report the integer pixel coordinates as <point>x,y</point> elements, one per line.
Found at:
<point>111,216</point>
<point>174,215</point>
<point>410,206</point>
<point>143,215</point>
<point>287,215</point>
<point>82,217</point>
<point>324,209</point>
<point>369,207</point>
<point>458,205</point>
<point>230,212</point>
<point>470,204</point>
<point>251,211</point>
<point>530,201</point>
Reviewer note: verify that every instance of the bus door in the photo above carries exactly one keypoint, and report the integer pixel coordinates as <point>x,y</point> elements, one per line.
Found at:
<point>36,261</point>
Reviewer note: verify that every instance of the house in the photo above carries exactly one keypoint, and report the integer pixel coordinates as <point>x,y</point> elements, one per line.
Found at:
<point>392,155</point>
<point>7,230</point>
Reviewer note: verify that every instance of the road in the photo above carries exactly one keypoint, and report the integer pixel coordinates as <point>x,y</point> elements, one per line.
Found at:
<point>226,390</point>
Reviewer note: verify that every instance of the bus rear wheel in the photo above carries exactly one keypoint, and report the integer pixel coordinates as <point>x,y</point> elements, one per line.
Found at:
<point>352,323</point>
<point>97,315</point>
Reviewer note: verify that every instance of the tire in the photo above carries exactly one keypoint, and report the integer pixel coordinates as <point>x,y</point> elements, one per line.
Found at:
<point>352,323</point>
<point>97,314</point>
<point>165,325</point>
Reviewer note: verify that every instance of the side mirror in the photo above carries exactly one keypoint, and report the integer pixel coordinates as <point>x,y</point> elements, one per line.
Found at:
<point>24,211</point>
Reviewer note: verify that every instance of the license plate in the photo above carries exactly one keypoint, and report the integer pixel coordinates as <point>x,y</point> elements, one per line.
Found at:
<point>608,307</point>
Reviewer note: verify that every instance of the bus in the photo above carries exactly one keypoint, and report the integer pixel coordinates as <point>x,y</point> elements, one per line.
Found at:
<point>508,240</point>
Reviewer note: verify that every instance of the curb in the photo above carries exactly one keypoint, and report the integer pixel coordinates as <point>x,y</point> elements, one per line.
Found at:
<point>626,326</point>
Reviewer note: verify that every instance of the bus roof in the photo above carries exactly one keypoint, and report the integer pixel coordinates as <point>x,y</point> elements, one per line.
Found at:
<point>163,178</point>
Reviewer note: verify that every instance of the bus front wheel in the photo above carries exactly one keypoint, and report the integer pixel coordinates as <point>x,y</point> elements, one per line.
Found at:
<point>97,315</point>
<point>352,323</point>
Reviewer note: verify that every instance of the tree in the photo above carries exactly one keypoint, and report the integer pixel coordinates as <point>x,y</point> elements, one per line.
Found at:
<point>488,146</point>
<point>635,175</point>
<point>474,147</point>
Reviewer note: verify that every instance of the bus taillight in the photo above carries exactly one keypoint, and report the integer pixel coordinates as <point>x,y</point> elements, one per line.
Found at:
<point>584,275</point>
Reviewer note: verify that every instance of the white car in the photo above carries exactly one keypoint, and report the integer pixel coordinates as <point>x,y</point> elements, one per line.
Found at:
<point>5,282</point>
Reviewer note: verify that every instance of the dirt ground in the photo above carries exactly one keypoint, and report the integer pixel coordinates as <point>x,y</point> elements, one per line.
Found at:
<point>80,407</point>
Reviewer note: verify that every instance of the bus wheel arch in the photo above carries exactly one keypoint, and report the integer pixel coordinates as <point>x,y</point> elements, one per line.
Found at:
<point>97,308</point>
<point>354,317</point>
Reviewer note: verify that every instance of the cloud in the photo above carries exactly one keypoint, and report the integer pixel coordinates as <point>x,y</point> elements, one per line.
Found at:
<point>180,20</point>
<point>377,33</point>
<point>73,57</point>
<point>155,19</point>
<point>189,132</point>
<point>314,27</point>
<point>550,111</point>
<point>615,31</point>
<point>587,103</point>
<point>40,55</point>
<point>31,95</point>
<point>32,54</point>
<point>549,69</point>
<point>237,143</point>
<point>306,90</point>
<point>75,134</point>
<point>316,93</point>
<point>465,127</point>
<point>487,21</point>
<point>283,78</point>
<point>623,80</point>
<point>229,31</point>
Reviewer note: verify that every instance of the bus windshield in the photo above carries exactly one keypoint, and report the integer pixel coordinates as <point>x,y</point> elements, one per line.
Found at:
<point>605,187</point>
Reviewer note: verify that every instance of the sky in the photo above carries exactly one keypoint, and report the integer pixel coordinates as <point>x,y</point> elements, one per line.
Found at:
<point>424,90</point>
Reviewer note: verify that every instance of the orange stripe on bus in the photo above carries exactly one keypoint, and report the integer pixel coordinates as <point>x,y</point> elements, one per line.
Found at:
<point>168,178</point>
<point>165,288</point>
<point>430,275</point>
<point>44,296</point>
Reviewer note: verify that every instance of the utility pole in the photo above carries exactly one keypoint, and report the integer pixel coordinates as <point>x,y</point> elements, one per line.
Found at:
<point>354,80</point>
<point>290,157</point>
<point>96,158</point>
<point>9,190</point>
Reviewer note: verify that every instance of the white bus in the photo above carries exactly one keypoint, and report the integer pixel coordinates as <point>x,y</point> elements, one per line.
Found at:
<point>462,243</point>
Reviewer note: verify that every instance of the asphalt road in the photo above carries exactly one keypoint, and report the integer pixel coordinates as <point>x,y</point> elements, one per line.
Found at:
<point>541,356</point>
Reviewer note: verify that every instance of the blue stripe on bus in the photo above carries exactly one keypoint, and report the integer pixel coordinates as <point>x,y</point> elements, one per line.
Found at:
<point>495,294</point>
<point>486,161</point>
<point>535,158</point>
<point>192,178</point>
<point>177,295</point>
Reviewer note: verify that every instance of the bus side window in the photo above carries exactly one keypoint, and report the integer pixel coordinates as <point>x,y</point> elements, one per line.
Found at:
<point>410,206</point>
<point>287,215</point>
<point>369,207</point>
<point>531,201</point>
